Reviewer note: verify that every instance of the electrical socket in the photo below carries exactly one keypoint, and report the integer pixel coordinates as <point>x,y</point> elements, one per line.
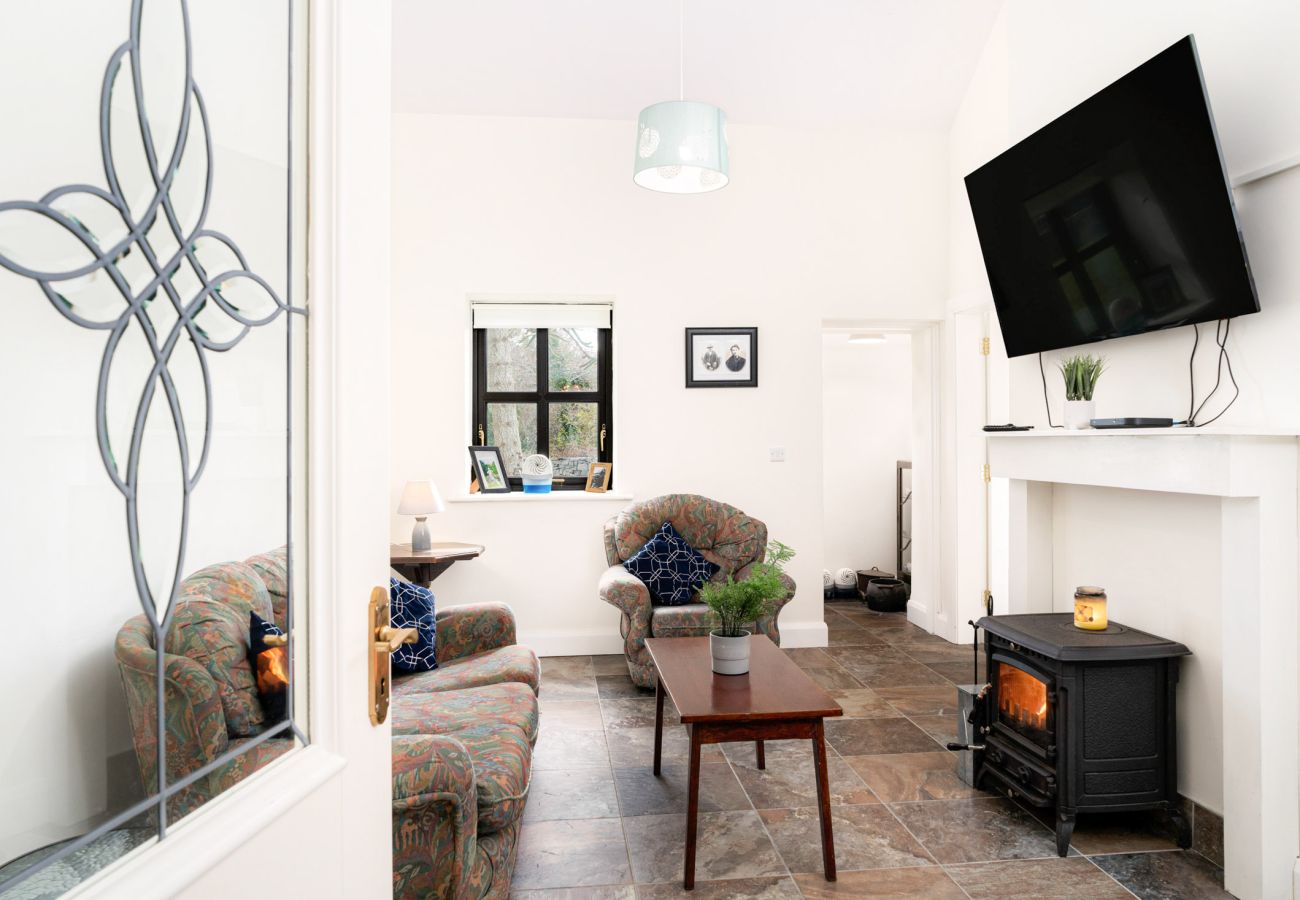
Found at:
<point>776,454</point>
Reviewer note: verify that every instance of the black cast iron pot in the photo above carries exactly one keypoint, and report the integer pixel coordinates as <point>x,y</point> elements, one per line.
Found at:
<point>887,595</point>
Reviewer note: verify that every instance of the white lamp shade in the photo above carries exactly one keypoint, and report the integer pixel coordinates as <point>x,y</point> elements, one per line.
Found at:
<point>681,148</point>
<point>420,498</point>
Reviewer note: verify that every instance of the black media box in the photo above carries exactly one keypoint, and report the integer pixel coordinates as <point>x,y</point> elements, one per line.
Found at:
<point>1132,422</point>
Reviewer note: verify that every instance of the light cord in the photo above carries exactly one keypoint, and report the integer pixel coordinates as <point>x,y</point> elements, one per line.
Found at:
<point>681,49</point>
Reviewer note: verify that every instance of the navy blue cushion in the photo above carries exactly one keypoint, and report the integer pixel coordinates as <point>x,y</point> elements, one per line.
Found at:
<point>411,606</point>
<point>270,667</point>
<point>671,568</point>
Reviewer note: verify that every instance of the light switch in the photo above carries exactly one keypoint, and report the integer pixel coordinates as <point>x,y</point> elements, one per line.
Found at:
<point>776,454</point>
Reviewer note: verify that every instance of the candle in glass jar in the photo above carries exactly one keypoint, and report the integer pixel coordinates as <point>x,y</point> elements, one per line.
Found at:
<point>1090,608</point>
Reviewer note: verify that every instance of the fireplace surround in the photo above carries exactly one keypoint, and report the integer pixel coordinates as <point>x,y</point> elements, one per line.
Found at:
<point>1252,476</point>
<point>1079,721</point>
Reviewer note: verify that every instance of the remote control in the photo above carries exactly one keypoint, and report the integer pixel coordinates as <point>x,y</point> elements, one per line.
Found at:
<point>1008,427</point>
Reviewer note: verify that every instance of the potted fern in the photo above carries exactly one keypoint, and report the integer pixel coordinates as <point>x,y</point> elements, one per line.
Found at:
<point>1081,373</point>
<point>736,604</point>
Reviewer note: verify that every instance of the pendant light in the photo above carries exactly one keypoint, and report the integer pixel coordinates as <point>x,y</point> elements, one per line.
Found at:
<point>681,145</point>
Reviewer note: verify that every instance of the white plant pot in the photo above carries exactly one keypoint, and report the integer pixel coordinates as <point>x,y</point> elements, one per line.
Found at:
<point>730,654</point>
<point>1080,413</point>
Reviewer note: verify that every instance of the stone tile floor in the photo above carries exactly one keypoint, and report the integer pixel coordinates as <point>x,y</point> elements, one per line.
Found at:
<point>599,826</point>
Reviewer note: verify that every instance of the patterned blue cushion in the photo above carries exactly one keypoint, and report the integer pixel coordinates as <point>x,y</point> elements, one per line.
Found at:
<point>671,568</point>
<point>411,606</point>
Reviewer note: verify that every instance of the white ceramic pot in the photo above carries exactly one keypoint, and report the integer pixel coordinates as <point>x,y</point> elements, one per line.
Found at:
<point>1079,413</point>
<point>730,654</point>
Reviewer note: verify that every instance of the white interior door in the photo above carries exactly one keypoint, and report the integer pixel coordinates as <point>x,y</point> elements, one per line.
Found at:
<point>163,357</point>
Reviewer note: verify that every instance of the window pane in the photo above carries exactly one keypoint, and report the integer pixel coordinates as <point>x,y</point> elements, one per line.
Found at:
<point>575,433</point>
<point>573,360</point>
<point>513,428</point>
<point>512,360</point>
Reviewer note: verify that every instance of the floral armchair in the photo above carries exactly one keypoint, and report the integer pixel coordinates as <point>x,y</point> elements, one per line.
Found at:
<point>721,533</point>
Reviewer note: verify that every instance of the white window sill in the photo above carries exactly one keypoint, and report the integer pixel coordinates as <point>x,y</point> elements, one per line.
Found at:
<point>552,497</point>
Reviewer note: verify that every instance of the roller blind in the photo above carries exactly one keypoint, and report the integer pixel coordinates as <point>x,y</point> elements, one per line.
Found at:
<point>542,315</point>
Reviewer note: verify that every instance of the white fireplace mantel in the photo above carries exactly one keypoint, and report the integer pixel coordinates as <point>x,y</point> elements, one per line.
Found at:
<point>1254,475</point>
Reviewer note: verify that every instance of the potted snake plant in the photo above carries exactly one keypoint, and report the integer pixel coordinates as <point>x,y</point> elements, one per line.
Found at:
<point>736,604</point>
<point>1081,373</point>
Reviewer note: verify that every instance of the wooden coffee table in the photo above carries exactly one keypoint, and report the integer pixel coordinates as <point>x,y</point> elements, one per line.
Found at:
<point>775,700</point>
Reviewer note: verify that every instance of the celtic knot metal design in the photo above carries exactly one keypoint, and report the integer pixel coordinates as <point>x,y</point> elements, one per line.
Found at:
<point>148,231</point>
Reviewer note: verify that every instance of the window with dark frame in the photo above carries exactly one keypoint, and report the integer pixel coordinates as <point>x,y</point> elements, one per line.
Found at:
<point>545,390</point>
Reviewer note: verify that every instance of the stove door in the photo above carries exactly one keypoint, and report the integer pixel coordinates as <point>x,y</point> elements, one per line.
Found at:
<point>1023,704</point>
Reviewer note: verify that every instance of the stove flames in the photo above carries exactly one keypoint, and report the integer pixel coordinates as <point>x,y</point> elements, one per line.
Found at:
<point>1022,698</point>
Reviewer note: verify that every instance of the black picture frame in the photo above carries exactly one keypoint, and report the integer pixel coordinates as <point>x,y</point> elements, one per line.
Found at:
<point>483,477</point>
<point>726,376</point>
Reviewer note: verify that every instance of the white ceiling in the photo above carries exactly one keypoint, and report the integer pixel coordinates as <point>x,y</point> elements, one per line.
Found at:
<point>815,63</point>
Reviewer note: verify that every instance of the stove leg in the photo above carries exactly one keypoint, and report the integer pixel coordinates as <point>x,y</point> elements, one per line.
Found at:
<point>1064,831</point>
<point>1182,827</point>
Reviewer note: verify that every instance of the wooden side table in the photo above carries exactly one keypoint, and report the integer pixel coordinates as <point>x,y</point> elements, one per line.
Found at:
<point>421,567</point>
<point>774,700</point>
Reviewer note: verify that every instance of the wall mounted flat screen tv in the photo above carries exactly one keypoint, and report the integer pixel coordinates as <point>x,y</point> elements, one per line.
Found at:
<point>1115,219</point>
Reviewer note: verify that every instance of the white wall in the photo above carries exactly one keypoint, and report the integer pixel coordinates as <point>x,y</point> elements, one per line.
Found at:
<point>866,429</point>
<point>814,225</point>
<point>1041,59</point>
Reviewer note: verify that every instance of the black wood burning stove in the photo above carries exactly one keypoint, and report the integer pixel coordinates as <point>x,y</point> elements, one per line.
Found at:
<point>1082,721</point>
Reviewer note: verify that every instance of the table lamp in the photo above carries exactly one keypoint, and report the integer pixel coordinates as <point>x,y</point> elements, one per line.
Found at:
<point>420,499</point>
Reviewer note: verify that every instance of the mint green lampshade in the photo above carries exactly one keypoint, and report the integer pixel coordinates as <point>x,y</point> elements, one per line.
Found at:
<point>681,148</point>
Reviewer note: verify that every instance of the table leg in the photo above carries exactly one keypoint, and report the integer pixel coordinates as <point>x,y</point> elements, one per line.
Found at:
<point>758,752</point>
<point>692,808</point>
<point>659,721</point>
<point>823,799</point>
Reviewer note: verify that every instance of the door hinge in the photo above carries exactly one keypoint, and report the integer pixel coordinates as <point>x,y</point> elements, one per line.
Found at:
<point>985,473</point>
<point>984,346</point>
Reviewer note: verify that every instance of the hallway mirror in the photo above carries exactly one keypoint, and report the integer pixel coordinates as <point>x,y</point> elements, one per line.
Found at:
<point>152,260</point>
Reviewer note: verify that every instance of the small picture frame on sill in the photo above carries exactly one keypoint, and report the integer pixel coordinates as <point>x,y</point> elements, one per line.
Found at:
<point>721,357</point>
<point>489,470</point>
<point>598,475</point>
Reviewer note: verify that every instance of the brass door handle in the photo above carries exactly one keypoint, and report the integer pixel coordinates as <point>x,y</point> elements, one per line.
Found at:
<point>389,638</point>
<point>602,437</point>
<point>383,639</point>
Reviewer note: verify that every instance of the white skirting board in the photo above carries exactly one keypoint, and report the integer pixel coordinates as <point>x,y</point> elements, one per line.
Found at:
<point>600,642</point>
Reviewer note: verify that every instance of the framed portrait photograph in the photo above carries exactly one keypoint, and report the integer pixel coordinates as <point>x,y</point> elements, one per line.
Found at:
<point>490,470</point>
<point>598,477</point>
<point>721,357</point>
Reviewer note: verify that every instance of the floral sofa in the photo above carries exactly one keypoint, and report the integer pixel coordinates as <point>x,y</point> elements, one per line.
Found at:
<point>463,737</point>
<point>210,699</point>
<point>463,733</point>
<point>721,533</point>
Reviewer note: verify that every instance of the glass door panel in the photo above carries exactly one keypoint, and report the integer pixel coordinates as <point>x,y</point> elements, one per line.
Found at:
<point>151,276</point>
